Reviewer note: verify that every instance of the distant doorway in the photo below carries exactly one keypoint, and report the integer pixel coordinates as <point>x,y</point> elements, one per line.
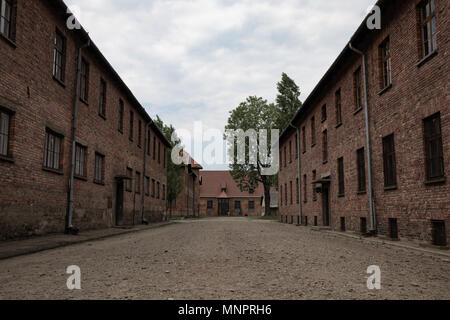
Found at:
<point>326,204</point>
<point>224,207</point>
<point>119,202</point>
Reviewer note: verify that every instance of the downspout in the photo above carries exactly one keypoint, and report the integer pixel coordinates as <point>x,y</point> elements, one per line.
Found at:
<point>373,222</point>
<point>147,127</point>
<point>299,188</point>
<point>69,228</point>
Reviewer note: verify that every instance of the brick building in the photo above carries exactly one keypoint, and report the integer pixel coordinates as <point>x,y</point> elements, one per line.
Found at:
<point>43,106</point>
<point>387,176</point>
<point>187,203</point>
<point>220,196</point>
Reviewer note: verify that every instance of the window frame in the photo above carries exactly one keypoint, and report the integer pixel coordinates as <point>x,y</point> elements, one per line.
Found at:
<point>99,159</point>
<point>84,81</point>
<point>121,116</point>
<point>60,138</point>
<point>341,177</point>
<point>7,134</point>
<point>131,126</point>
<point>325,146</point>
<point>357,89</point>
<point>429,138</point>
<point>425,22</point>
<point>59,52</point>
<point>137,182</point>
<point>338,104</point>
<point>102,98</point>
<point>80,151</point>
<point>389,171</point>
<point>361,170</point>
<point>11,33</point>
<point>129,182</point>
<point>385,64</point>
<point>251,206</point>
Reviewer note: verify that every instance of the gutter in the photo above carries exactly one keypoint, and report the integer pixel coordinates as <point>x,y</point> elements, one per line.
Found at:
<point>373,222</point>
<point>69,229</point>
<point>299,187</point>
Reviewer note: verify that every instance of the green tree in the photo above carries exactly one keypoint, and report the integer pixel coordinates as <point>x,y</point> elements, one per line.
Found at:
<point>255,113</point>
<point>288,102</point>
<point>174,179</point>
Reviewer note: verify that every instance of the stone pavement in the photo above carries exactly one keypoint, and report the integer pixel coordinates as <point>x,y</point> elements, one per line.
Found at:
<point>14,248</point>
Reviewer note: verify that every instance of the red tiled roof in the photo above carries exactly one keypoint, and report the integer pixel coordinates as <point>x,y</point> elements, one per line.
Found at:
<point>194,164</point>
<point>213,183</point>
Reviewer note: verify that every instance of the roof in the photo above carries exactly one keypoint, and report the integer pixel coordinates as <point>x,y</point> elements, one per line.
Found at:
<point>191,161</point>
<point>220,184</point>
<point>360,33</point>
<point>61,7</point>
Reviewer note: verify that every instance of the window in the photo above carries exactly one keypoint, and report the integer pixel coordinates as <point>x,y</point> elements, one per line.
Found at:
<point>153,188</point>
<point>80,160</point>
<point>324,113</point>
<point>361,165</point>
<point>341,177</point>
<point>297,191</point>
<point>164,192</point>
<point>292,199</point>
<point>99,167</point>
<point>385,64</point>
<point>285,156</point>
<point>237,206</point>
<point>338,101</point>
<point>427,24</point>
<point>439,235</point>
<point>285,195</point>
<point>121,111</point>
<point>139,133</point>
<point>154,147</point>
<point>313,131</point>
<point>164,157</point>
<point>6,17</point>
<point>59,56</point>
<point>305,185</point>
<point>314,193</point>
<point>130,177</point>
<point>147,186</point>
<point>342,224</point>
<point>149,141</point>
<point>281,195</point>
<point>53,151</point>
<point>290,151</point>
<point>84,80</point>
<point>433,148</point>
<point>157,190</point>
<point>102,99</point>
<point>325,146</point>
<point>357,89</point>
<point>281,159</point>
<point>137,186</point>
<point>304,139</point>
<point>5,121</point>
<point>131,133</point>
<point>251,206</point>
<point>389,165</point>
<point>159,152</point>
<point>209,205</point>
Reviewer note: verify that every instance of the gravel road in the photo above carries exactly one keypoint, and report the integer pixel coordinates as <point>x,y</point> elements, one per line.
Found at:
<point>227,258</point>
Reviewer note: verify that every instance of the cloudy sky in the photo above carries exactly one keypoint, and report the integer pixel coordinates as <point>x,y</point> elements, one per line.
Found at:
<point>188,60</point>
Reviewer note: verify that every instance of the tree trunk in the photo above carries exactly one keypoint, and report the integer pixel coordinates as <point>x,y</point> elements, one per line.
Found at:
<point>267,199</point>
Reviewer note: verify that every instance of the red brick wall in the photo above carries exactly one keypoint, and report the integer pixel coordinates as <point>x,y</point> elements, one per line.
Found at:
<point>417,92</point>
<point>244,207</point>
<point>34,201</point>
<point>188,201</point>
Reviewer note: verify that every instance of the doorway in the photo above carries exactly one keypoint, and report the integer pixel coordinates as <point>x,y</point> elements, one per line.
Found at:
<point>224,207</point>
<point>119,202</point>
<point>326,204</point>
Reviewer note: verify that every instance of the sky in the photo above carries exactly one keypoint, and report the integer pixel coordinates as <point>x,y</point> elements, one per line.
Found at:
<point>196,60</point>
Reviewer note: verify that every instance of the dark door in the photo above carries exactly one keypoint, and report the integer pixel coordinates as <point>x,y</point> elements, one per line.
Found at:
<point>326,205</point>
<point>119,202</point>
<point>224,207</point>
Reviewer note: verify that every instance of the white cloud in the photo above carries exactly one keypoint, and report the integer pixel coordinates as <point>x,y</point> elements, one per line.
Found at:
<point>189,60</point>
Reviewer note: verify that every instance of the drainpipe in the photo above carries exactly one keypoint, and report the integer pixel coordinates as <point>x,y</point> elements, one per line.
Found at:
<point>373,222</point>
<point>69,228</point>
<point>147,127</point>
<point>299,188</point>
